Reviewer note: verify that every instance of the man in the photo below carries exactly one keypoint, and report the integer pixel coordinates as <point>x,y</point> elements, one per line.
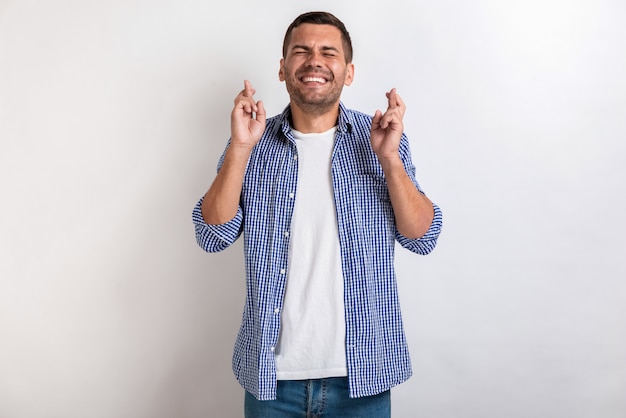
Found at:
<point>321,194</point>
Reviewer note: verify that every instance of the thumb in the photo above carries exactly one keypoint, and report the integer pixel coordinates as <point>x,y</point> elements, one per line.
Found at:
<point>378,115</point>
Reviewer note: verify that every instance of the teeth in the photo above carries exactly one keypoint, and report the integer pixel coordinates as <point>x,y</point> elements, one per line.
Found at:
<point>314,79</point>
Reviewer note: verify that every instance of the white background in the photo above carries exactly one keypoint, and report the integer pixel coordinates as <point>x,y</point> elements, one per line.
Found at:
<point>113,115</point>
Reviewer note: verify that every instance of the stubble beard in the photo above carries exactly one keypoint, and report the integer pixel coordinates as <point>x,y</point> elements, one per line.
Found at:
<point>315,105</point>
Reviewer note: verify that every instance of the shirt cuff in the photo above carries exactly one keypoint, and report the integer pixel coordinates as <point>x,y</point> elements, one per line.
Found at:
<point>427,242</point>
<point>213,238</point>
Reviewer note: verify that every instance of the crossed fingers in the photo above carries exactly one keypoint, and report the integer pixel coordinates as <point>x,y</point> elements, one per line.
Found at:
<point>244,99</point>
<point>395,109</point>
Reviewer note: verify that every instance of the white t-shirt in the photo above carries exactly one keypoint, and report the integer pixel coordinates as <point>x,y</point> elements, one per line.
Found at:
<point>312,335</point>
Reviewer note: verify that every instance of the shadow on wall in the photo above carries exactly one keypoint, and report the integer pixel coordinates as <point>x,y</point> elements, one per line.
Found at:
<point>201,382</point>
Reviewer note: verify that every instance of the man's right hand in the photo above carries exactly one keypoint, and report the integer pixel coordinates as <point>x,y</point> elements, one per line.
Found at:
<point>247,124</point>
<point>247,120</point>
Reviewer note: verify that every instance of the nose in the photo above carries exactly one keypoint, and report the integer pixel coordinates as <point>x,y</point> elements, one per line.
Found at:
<point>313,59</point>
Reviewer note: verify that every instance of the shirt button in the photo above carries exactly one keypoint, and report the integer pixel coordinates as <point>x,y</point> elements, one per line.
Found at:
<point>295,157</point>
<point>276,310</point>
<point>282,271</point>
<point>291,195</point>
<point>272,349</point>
<point>286,234</point>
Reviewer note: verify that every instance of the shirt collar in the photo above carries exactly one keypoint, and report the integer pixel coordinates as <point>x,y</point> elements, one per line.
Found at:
<point>344,125</point>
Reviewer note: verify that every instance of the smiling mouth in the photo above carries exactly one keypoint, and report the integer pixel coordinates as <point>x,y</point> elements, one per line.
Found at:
<point>317,80</point>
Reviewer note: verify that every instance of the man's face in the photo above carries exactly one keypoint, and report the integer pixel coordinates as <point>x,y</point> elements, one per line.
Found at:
<point>314,68</point>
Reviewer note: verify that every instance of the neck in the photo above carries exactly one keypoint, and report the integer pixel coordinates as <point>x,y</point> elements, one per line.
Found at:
<point>308,122</point>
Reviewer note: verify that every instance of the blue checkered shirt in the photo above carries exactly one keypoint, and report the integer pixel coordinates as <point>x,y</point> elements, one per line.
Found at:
<point>376,349</point>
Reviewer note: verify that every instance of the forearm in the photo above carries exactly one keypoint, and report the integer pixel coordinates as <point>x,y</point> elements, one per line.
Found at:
<point>221,201</point>
<point>413,211</point>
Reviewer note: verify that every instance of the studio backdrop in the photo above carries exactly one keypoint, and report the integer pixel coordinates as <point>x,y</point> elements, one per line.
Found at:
<point>113,115</point>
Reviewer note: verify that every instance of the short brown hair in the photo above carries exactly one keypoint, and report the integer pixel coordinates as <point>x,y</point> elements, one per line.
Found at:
<point>321,18</point>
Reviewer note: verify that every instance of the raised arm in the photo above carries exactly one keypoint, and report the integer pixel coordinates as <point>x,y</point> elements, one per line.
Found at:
<point>247,123</point>
<point>413,211</point>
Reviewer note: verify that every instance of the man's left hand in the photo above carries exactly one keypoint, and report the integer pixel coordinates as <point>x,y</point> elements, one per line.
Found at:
<point>387,128</point>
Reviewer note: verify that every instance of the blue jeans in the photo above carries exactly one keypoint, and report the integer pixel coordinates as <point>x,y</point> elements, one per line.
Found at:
<point>318,398</point>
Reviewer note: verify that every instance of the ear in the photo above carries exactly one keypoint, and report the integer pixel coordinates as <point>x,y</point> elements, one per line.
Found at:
<point>349,74</point>
<point>281,70</point>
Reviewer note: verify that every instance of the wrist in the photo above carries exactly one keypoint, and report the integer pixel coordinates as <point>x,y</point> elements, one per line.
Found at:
<point>240,148</point>
<point>391,163</point>
<point>238,154</point>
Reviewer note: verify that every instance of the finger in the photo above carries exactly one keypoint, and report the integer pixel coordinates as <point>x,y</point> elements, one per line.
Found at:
<point>401,105</point>
<point>248,91</point>
<point>378,115</point>
<point>386,119</point>
<point>399,100</point>
<point>392,98</point>
<point>245,104</point>
<point>242,103</point>
<point>260,112</point>
<point>392,118</point>
<point>396,104</point>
